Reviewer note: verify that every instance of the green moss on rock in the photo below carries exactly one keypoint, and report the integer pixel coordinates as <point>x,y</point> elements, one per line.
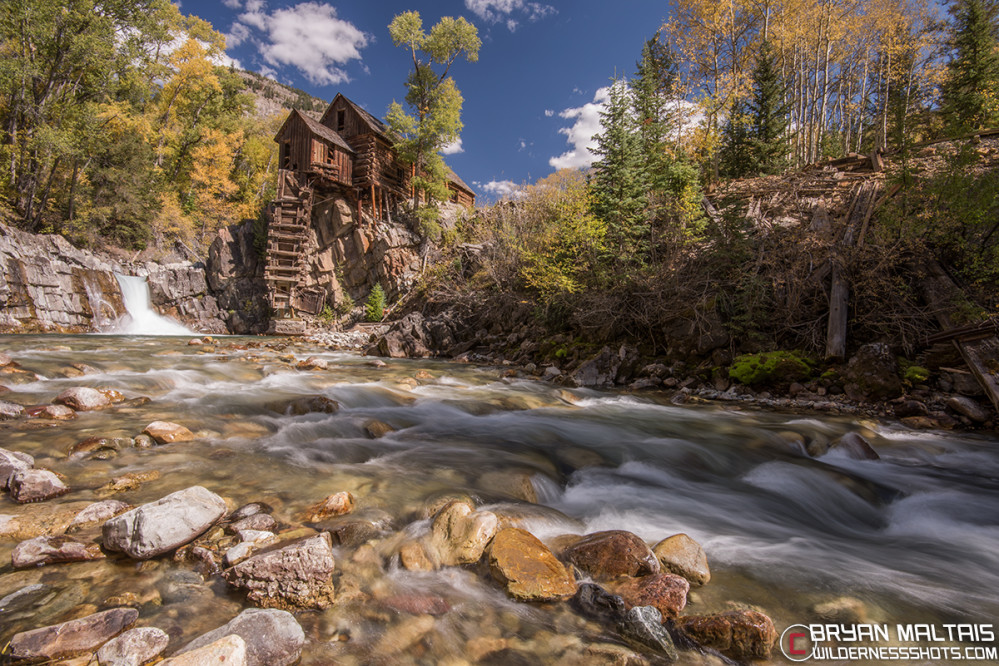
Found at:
<point>771,368</point>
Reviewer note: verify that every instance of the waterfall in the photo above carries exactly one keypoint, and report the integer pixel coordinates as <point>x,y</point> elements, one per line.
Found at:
<point>140,318</point>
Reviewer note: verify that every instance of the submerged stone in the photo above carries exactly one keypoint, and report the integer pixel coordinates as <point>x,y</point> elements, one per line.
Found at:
<point>643,626</point>
<point>337,504</point>
<point>596,603</point>
<point>13,461</point>
<point>53,549</point>
<point>83,399</point>
<point>165,432</point>
<point>460,534</point>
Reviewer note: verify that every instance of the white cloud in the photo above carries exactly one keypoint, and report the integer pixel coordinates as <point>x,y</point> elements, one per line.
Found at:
<point>580,136</point>
<point>502,189</point>
<point>549,113</point>
<point>232,4</point>
<point>453,148</point>
<point>494,11</point>
<point>238,34</point>
<point>308,36</point>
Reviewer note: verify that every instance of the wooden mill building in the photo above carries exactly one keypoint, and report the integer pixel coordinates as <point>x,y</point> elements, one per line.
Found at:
<point>349,152</point>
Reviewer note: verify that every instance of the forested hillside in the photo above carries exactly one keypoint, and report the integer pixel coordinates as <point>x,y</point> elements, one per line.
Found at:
<point>123,125</point>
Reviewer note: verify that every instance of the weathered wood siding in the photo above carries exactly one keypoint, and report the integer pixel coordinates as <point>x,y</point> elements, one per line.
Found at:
<point>352,125</point>
<point>295,145</point>
<point>302,151</point>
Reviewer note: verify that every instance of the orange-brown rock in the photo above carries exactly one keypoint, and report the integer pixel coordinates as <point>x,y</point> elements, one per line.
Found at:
<point>528,570</point>
<point>607,555</point>
<point>665,592</point>
<point>741,634</point>
<point>337,504</point>
<point>165,432</point>
<point>683,556</point>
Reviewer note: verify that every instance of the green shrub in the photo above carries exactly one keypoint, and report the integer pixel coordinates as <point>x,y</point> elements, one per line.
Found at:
<point>345,306</point>
<point>374,309</point>
<point>778,367</point>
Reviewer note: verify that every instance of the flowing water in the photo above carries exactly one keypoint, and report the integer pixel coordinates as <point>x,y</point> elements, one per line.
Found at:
<point>913,537</point>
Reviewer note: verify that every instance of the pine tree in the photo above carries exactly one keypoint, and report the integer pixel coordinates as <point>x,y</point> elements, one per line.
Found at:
<point>618,182</point>
<point>737,158</point>
<point>653,89</point>
<point>374,309</point>
<point>971,91</point>
<point>768,143</point>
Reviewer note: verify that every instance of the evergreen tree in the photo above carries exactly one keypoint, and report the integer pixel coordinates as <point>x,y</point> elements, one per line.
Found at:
<point>374,309</point>
<point>653,88</point>
<point>768,142</point>
<point>737,158</point>
<point>971,90</point>
<point>618,182</point>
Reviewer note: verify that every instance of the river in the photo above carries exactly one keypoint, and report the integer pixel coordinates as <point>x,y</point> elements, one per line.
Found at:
<point>912,537</point>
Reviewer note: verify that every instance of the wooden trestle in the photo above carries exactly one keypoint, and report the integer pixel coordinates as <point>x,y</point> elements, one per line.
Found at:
<point>290,215</point>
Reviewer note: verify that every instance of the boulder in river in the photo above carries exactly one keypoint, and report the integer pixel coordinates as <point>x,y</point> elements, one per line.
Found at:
<point>161,526</point>
<point>855,446</point>
<point>460,534</point>
<point>666,592</point>
<point>273,637</point>
<point>52,413</point>
<point>969,407</point>
<point>683,556</point>
<point>165,432</point>
<point>10,462</point>
<point>35,485</point>
<point>310,404</point>
<point>740,634</point>
<point>83,399</point>
<point>528,570</point>
<point>290,575</point>
<point>607,555</point>
<point>134,647</point>
<point>71,638</point>
<point>596,603</point>
<point>336,504</point>
<point>643,626</point>
<point>10,410</point>
<point>53,549</point>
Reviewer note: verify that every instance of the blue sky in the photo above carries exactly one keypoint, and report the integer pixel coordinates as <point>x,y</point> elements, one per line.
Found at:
<point>529,100</point>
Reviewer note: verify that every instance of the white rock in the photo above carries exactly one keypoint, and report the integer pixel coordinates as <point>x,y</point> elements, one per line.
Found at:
<point>161,526</point>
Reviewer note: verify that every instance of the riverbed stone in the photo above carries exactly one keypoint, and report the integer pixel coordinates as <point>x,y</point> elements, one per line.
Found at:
<point>35,485</point>
<point>97,514</point>
<point>310,404</point>
<point>740,634</point>
<point>460,534</point>
<point>126,482</point>
<point>53,549</point>
<point>855,446</point>
<point>93,445</point>
<point>257,521</point>
<point>134,647</point>
<point>607,555</point>
<point>10,410</point>
<point>52,413</point>
<point>969,407</point>
<point>273,637</point>
<point>313,363</point>
<point>226,651</point>
<point>527,569</point>
<point>596,603</point>
<point>10,462</point>
<point>83,399</point>
<point>291,575</point>
<point>666,592</point>
<point>71,638</point>
<point>643,625</point>
<point>161,526</point>
<point>683,556</point>
<point>337,504</point>
<point>165,432</point>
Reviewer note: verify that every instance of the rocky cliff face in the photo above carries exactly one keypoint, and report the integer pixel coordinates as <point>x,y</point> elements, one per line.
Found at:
<point>47,285</point>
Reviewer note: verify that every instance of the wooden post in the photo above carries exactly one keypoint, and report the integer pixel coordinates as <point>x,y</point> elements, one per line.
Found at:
<point>373,213</point>
<point>839,292</point>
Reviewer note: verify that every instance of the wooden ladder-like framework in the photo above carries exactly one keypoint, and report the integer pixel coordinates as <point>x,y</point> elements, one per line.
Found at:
<point>290,215</point>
